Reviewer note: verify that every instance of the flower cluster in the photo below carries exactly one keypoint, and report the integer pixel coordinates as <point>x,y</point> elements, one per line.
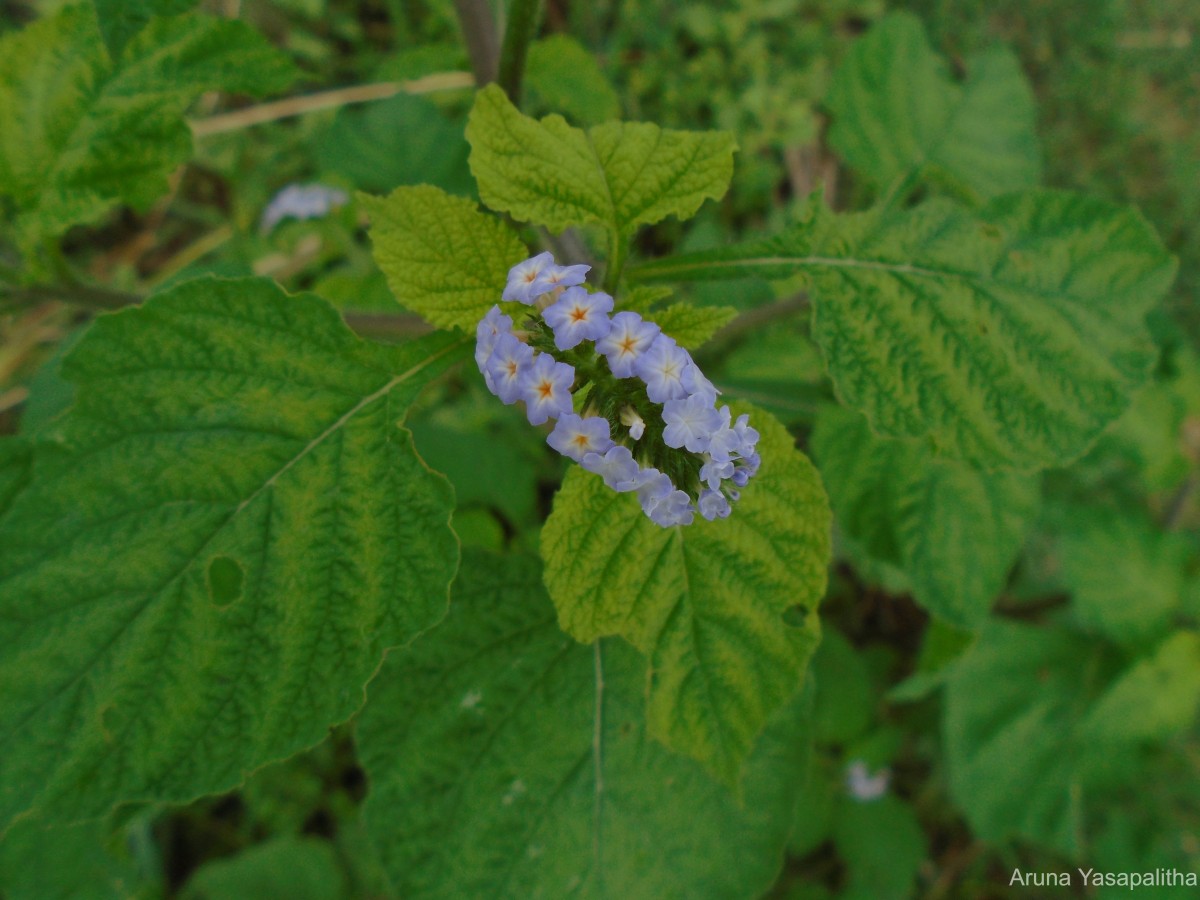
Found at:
<point>648,419</point>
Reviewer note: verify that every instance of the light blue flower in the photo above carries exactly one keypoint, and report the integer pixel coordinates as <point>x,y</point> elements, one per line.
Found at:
<point>652,487</point>
<point>713,505</point>
<point>617,467</point>
<point>490,327</point>
<point>696,384</point>
<point>523,278</point>
<point>559,276</point>
<point>751,463</point>
<point>627,339</point>
<point>578,316</point>
<point>301,201</point>
<point>575,437</point>
<point>507,365</point>
<point>632,420</point>
<point>674,509</point>
<point>713,473</point>
<point>748,435</point>
<point>690,423</point>
<point>546,389</point>
<point>661,368</point>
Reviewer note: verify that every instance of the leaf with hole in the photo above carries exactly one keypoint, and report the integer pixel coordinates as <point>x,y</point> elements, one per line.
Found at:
<point>168,626</point>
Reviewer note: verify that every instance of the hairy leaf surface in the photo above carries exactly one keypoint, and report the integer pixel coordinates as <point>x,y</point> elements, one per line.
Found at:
<point>120,20</point>
<point>563,75</point>
<point>619,175</point>
<point>506,760</point>
<point>897,112</point>
<point>68,862</point>
<point>1041,721</point>
<point>705,603</point>
<point>690,325</point>
<point>218,543</point>
<point>1010,337</point>
<point>1155,699</point>
<point>954,530</point>
<point>85,131</point>
<point>443,258</point>
<point>1126,576</point>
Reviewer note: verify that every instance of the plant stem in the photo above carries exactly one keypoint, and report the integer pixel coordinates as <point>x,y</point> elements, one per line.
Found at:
<point>617,251</point>
<point>309,103</point>
<point>95,298</point>
<point>479,34</point>
<point>522,24</point>
<point>366,324</point>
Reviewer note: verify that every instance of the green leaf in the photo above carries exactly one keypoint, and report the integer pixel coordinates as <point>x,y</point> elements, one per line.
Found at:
<point>219,542</point>
<point>1157,698</point>
<point>953,530</point>
<point>562,76</point>
<point>1126,576</point>
<point>618,175</point>
<point>15,461</point>
<point>120,20</point>
<point>705,603</point>
<point>897,113</point>
<point>443,258</point>
<point>1022,757</point>
<point>692,326</point>
<point>506,760</point>
<point>70,862</point>
<point>299,868</point>
<point>642,298</point>
<point>845,702</point>
<point>402,140</point>
<point>820,796</point>
<point>85,132</point>
<point>1010,337</point>
<point>882,844</point>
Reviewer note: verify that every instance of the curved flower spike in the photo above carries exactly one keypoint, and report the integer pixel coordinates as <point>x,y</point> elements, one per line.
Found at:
<point>661,436</point>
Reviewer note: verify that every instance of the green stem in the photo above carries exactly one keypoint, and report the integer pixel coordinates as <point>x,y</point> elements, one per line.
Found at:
<point>617,252</point>
<point>522,24</point>
<point>79,294</point>
<point>479,34</point>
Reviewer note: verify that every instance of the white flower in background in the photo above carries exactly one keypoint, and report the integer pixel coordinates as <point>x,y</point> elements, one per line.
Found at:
<point>301,201</point>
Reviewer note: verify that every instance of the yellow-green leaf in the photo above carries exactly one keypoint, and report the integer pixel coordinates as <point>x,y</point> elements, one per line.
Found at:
<point>706,603</point>
<point>690,325</point>
<point>618,175</point>
<point>443,258</point>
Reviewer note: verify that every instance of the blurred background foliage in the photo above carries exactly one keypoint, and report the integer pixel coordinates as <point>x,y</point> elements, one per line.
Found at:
<point>1063,730</point>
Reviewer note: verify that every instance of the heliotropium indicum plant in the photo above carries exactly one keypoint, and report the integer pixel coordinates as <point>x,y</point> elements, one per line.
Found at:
<point>205,558</point>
